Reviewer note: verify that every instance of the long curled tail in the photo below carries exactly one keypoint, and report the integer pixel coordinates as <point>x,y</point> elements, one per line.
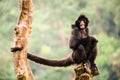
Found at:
<point>49,62</point>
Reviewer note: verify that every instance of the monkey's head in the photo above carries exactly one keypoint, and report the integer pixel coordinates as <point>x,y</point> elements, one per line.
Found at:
<point>78,21</point>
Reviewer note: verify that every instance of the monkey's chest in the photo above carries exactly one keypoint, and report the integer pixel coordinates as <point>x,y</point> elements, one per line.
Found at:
<point>86,42</point>
<point>83,34</point>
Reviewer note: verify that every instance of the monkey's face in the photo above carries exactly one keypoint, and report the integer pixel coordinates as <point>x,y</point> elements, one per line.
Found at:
<point>82,24</point>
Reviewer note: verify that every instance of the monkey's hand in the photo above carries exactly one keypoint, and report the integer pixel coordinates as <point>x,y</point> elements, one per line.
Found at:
<point>16,49</point>
<point>75,31</point>
<point>74,38</point>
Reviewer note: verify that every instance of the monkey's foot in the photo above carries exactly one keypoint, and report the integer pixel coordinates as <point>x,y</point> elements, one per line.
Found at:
<point>95,70</point>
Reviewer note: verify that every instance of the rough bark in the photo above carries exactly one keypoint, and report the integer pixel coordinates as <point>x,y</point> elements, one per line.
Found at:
<point>83,72</point>
<point>21,35</point>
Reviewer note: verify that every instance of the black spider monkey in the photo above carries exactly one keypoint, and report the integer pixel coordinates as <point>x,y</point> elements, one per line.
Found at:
<point>84,47</point>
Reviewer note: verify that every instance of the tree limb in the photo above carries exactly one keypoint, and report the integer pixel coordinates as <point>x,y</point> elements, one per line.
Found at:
<point>21,35</point>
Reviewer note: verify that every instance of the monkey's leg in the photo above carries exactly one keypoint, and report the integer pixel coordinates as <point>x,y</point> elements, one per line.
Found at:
<point>92,58</point>
<point>79,54</point>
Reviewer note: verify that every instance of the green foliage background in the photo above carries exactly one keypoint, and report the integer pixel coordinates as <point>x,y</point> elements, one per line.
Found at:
<point>50,35</point>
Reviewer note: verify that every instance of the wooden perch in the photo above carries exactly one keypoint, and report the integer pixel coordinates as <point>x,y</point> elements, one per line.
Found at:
<point>21,35</point>
<point>83,72</point>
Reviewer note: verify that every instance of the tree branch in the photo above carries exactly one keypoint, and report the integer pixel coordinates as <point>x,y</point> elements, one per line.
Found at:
<point>21,35</point>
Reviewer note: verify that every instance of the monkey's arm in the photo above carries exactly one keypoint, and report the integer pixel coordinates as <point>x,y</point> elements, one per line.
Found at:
<point>55,63</point>
<point>74,39</point>
<point>88,32</point>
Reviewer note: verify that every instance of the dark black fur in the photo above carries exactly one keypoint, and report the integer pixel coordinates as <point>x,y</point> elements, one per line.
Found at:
<point>83,48</point>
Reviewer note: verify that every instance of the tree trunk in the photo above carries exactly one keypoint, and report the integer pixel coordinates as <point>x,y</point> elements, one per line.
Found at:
<point>21,35</point>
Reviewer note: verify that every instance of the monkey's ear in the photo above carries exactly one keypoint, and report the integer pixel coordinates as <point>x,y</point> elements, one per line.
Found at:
<point>72,26</point>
